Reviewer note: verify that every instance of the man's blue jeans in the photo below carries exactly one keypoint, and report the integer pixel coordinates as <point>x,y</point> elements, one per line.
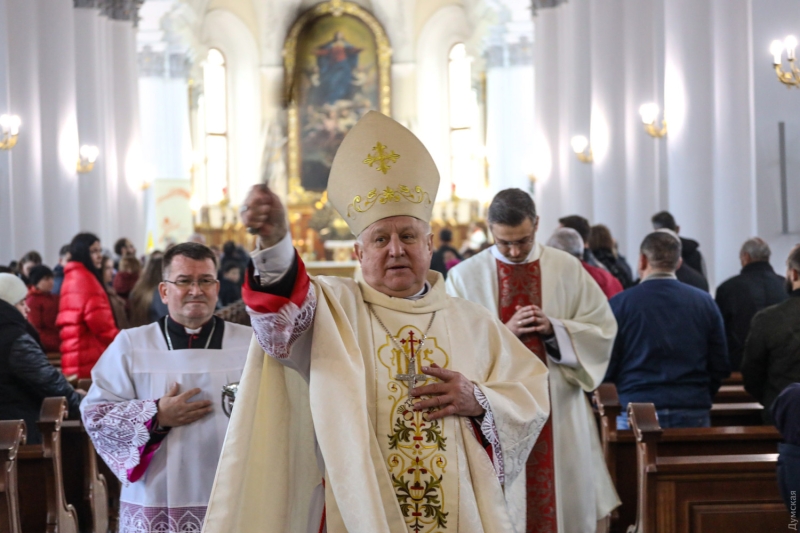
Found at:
<point>675,418</point>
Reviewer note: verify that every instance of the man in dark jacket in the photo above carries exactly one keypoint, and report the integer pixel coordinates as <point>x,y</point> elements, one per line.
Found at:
<point>58,270</point>
<point>786,413</point>
<point>771,357</point>
<point>670,347</point>
<point>26,376</point>
<point>692,258</point>
<point>742,296</point>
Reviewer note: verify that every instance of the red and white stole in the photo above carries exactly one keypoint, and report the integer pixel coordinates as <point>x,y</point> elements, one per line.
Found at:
<point>521,285</point>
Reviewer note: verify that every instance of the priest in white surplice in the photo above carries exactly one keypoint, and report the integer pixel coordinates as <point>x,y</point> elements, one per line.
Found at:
<point>378,404</point>
<point>553,305</point>
<point>153,410</point>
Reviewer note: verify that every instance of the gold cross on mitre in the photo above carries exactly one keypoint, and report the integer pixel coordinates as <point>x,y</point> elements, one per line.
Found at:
<point>381,157</point>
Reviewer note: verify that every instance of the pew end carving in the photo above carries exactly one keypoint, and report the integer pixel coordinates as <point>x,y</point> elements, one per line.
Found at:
<point>12,436</point>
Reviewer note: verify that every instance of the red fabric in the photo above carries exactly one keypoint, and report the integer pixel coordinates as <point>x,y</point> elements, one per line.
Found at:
<point>608,283</point>
<point>86,321</point>
<point>43,312</point>
<point>521,285</point>
<point>124,282</point>
<point>262,302</point>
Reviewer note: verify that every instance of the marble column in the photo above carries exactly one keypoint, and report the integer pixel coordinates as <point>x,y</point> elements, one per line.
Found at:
<point>6,190</point>
<point>689,106</point>
<point>547,96</point>
<point>608,76</point>
<point>27,210</point>
<point>59,126</point>
<point>90,44</point>
<point>643,67</point>
<point>575,106</point>
<point>130,157</point>
<point>734,180</point>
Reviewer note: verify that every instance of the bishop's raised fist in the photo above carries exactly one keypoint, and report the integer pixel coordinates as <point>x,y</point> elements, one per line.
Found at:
<point>264,215</point>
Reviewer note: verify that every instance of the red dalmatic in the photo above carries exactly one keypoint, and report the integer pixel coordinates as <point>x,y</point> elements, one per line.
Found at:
<point>521,285</point>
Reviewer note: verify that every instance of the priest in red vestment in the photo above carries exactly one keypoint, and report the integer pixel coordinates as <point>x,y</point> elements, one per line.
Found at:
<point>546,298</point>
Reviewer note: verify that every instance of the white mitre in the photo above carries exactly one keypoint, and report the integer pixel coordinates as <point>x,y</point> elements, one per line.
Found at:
<point>382,170</point>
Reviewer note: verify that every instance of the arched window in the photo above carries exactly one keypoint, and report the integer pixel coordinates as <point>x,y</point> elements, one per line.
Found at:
<point>464,125</point>
<point>216,126</point>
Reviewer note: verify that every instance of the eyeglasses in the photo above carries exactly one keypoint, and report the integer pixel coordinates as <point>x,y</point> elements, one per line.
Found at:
<point>505,245</point>
<point>183,284</point>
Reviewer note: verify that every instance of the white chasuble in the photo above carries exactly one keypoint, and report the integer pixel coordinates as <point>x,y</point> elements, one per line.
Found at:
<point>138,368</point>
<point>585,329</point>
<point>348,421</point>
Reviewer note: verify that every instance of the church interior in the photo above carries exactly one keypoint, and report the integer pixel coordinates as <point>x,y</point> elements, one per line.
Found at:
<point>147,123</point>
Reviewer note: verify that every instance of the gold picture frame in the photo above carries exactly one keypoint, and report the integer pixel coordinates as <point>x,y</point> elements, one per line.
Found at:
<point>355,79</point>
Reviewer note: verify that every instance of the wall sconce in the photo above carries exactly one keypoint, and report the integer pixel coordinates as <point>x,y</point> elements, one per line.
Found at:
<point>580,144</point>
<point>9,129</point>
<point>649,114</point>
<point>790,78</point>
<point>88,155</point>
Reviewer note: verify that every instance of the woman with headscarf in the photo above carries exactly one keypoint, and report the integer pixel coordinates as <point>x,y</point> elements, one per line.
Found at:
<point>84,315</point>
<point>26,376</point>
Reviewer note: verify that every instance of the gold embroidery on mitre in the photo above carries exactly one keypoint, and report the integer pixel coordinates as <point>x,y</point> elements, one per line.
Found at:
<point>381,157</point>
<point>362,205</point>
<point>417,447</point>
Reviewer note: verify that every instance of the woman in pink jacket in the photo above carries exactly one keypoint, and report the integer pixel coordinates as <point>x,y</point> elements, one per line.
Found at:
<point>84,314</point>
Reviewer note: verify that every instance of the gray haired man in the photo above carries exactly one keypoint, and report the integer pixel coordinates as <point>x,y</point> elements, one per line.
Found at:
<point>739,299</point>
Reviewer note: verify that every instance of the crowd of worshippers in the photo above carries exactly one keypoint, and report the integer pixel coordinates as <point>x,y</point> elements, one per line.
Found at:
<point>583,313</point>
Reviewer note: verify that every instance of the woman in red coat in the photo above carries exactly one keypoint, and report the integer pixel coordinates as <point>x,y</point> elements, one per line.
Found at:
<point>84,315</point>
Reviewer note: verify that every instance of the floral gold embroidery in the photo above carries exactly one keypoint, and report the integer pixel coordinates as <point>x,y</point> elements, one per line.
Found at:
<point>381,156</point>
<point>362,205</point>
<point>417,460</point>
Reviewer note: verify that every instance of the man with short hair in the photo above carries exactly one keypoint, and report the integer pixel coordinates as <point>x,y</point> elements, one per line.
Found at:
<point>771,356</point>
<point>742,296</point>
<point>693,268</point>
<point>670,349</point>
<point>153,411</point>
<point>379,403</point>
<point>547,299</point>
<point>124,248</point>
<point>568,240</point>
<point>584,229</point>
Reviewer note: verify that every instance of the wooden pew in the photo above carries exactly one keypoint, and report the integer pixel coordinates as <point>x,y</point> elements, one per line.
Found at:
<point>84,486</point>
<point>734,379</point>
<point>12,435</point>
<point>619,447</point>
<point>733,394</point>
<point>43,507</point>
<point>702,493</point>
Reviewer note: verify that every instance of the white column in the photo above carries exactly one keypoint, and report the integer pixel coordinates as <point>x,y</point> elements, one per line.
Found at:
<point>89,50</point>
<point>59,124</point>
<point>689,94</point>
<point>108,149</point>
<point>734,134</point>
<point>545,153</point>
<point>608,74</point>
<point>130,157</point>
<point>6,203</point>
<point>575,105</point>
<point>510,128</point>
<point>27,210</point>
<point>643,29</point>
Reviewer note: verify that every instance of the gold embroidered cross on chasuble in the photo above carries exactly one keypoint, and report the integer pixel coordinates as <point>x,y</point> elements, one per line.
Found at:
<point>424,471</point>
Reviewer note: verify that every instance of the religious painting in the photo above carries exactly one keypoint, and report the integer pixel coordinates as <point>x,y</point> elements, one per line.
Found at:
<point>337,60</point>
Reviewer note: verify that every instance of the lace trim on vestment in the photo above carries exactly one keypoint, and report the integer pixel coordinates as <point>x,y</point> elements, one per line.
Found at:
<point>119,431</point>
<point>277,332</point>
<point>489,430</point>
<point>139,519</point>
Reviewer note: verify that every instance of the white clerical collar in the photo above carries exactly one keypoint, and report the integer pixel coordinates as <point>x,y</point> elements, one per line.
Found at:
<point>532,256</point>
<point>193,331</point>
<point>425,288</point>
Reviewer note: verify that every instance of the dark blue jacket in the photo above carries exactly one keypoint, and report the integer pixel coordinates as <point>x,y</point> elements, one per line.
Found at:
<point>670,347</point>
